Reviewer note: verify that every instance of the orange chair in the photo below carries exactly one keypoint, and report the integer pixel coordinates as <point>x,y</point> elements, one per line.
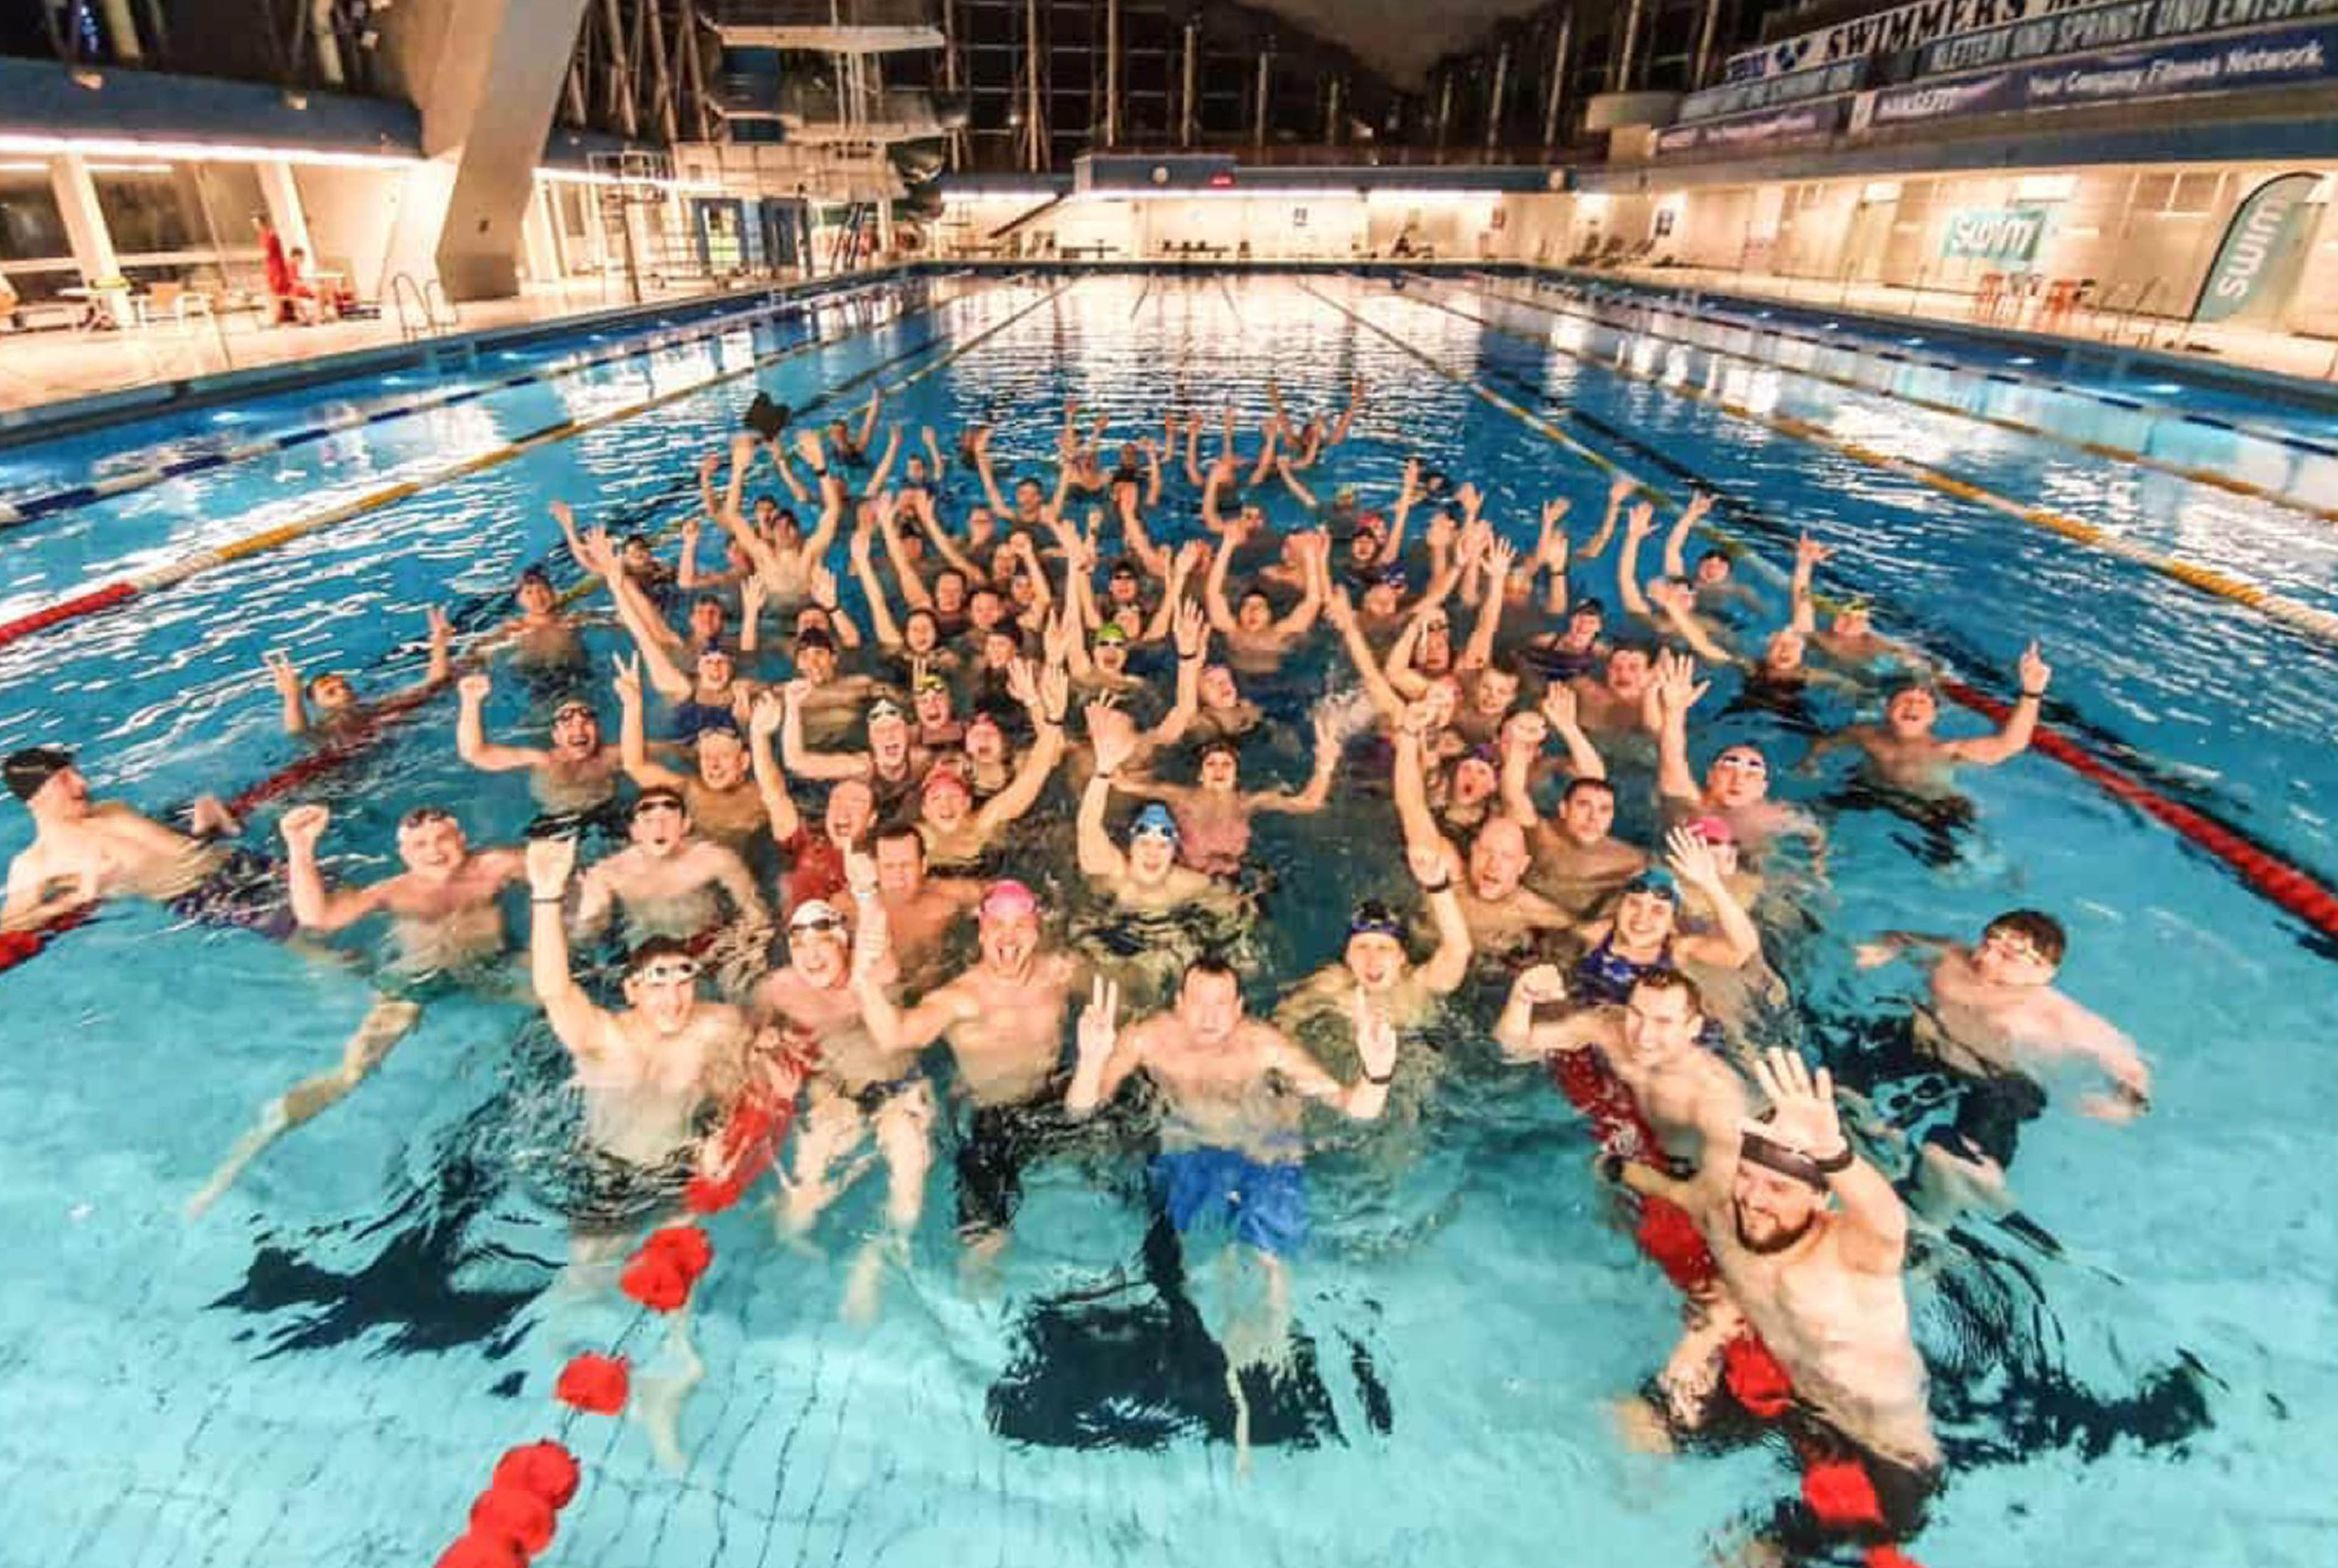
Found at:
<point>1987,295</point>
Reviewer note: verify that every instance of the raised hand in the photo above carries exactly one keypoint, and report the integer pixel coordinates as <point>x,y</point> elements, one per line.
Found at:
<point>1698,505</point>
<point>1113,734</point>
<point>1809,552</point>
<point>473,689</point>
<point>210,818</point>
<point>1623,484</point>
<point>1023,681</point>
<point>711,464</point>
<point>303,826</point>
<point>1524,731</point>
<point>1640,522</point>
<point>1055,693</point>
<point>282,671</point>
<point>808,446</point>
<point>861,873</point>
<point>2034,671</point>
<point>1339,608</point>
<point>1676,686</point>
<point>1099,1026</point>
<point>752,594</point>
<point>823,588</point>
<point>1691,857</point>
<point>549,862</point>
<point>1191,627</point>
<point>443,630</point>
<point>1559,705</point>
<point>1805,1115</point>
<point>1427,862</point>
<point>1541,985</point>
<point>1500,559</point>
<point>743,452</point>
<point>769,712</point>
<point>628,678</point>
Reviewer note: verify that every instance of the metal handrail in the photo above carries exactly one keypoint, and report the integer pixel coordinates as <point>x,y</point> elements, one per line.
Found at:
<point>2141,299</point>
<point>430,291</point>
<point>407,330</point>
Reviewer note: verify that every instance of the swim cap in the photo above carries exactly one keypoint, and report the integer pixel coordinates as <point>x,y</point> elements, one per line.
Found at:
<point>1155,821</point>
<point>816,915</point>
<point>1374,918</point>
<point>29,769</point>
<point>814,637</point>
<point>659,795</point>
<point>650,949</point>
<point>1588,604</point>
<point>1007,899</point>
<point>929,682</point>
<point>1393,577</point>
<point>1122,568</point>
<point>1714,831</point>
<point>1657,880</point>
<point>1112,633</point>
<point>884,708</point>
<point>573,705</point>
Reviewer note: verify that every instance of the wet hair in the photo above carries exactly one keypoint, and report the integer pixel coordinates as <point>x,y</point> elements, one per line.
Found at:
<point>896,828</point>
<point>2044,933</point>
<point>316,681</point>
<point>1584,786</point>
<point>1672,980</point>
<point>650,949</point>
<point>1211,964</point>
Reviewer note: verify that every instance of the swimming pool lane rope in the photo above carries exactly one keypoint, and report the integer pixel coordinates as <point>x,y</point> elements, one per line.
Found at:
<point>2209,477</point>
<point>389,410</point>
<point>115,594</point>
<point>2260,869</point>
<point>2319,625</point>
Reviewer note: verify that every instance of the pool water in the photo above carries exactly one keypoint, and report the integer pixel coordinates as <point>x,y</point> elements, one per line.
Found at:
<point>322,1368</point>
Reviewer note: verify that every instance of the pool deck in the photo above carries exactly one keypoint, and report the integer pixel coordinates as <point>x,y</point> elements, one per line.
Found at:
<point>2253,348</point>
<point>54,366</point>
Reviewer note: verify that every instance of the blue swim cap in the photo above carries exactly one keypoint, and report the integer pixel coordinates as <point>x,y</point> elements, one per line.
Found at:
<point>1156,820</point>
<point>1657,880</point>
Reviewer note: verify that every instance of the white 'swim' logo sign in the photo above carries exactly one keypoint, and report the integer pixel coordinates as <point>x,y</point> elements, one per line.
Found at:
<point>1995,234</point>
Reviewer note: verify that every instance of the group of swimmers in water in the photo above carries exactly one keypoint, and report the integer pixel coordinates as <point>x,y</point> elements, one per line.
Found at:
<point>853,790</point>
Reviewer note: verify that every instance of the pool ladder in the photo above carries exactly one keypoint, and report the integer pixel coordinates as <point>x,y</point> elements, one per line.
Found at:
<point>434,311</point>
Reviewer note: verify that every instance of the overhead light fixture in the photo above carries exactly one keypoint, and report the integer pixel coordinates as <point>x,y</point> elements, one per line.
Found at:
<point>85,77</point>
<point>135,149</point>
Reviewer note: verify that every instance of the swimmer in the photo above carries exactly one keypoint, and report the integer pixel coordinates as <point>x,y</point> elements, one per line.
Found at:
<point>1230,1137</point>
<point>1147,876</point>
<point>1812,1244</point>
<point>444,920</point>
<point>828,698</point>
<point>541,636</point>
<point>958,833</point>
<point>1003,1020</point>
<point>1904,753</point>
<point>722,797</point>
<point>1256,638</point>
<point>1375,959</point>
<point>1504,915</point>
<point>814,861</point>
<point>919,906</point>
<point>575,773</point>
<point>1643,934</point>
<point>1849,637</point>
<point>784,568</point>
<point>893,763</point>
<point>1668,603</point>
<point>1992,1018</point>
<point>84,851</point>
<point>329,704</point>
<point>1710,578</point>
<point>1213,813</point>
<point>1736,785</point>
<point>1573,654</point>
<point>1576,861</point>
<point>1622,700</point>
<point>666,879</point>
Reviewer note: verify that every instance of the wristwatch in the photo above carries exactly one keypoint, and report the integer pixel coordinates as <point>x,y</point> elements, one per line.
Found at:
<point>1837,1162</point>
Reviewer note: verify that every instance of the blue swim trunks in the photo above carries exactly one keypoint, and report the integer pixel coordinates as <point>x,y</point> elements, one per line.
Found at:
<point>1265,1206</point>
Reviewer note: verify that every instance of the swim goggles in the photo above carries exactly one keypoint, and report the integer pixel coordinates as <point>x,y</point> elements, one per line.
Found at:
<point>1154,822</point>
<point>666,971</point>
<point>1656,879</point>
<point>1374,918</point>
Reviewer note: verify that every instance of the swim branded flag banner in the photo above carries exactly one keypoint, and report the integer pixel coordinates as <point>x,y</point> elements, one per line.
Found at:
<point>2263,247</point>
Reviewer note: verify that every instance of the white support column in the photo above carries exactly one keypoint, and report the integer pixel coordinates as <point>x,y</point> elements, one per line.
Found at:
<point>76,194</point>
<point>284,209</point>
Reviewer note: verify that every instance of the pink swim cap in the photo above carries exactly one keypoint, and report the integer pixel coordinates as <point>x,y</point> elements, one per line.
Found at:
<point>1008,899</point>
<point>1714,831</point>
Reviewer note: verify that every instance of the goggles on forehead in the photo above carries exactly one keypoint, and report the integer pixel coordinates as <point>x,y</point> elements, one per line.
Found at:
<point>1749,761</point>
<point>568,711</point>
<point>666,971</point>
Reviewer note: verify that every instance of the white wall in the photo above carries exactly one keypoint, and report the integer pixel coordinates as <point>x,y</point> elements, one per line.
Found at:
<point>381,222</point>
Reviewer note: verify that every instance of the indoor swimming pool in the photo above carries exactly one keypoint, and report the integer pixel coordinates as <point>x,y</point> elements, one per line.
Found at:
<point>321,1369</point>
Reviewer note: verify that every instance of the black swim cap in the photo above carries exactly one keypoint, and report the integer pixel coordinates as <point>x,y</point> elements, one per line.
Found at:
<point>30,769</point>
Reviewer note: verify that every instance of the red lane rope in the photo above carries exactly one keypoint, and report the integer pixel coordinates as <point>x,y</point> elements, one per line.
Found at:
<point>89,603</point>
<point>2264,872</point>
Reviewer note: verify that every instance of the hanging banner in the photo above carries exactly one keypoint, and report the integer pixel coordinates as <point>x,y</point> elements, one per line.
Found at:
<point>1885,33</point>
<point>2278,58</point>
<point>1802,123</point>
<point>2100,26</point>
<point>1738,97</point>
<point>2260,249</point>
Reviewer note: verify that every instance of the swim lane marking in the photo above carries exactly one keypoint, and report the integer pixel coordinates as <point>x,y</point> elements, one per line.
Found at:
<point>2320,625</point>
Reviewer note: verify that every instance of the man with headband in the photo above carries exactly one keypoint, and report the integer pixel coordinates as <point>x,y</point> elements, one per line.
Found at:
<point>574,774</point>
<point>445,925</point>
<point>1003,1020</point>
<point>1811,1242</point>
<point>83,850</point>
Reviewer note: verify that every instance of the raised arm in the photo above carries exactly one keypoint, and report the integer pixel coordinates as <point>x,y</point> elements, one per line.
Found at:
<point>1318,791</point>
<point>914,591</point>
<point>633,735</point>
<point>800,759</point>
<point>1193,634</point>
<point>1411,791</point>
<point>1340,612</point>
<point>1479,652</point>
<point>1737,942</point>
<point>884,469</point>
<point>988,475</point>
<point>1449,965</point>
<point>1213,585</point>
<point>317,907</point>
<point>1871,1222</point>
<point>471,742</point>
<point>1046,696</point>
<point>1807,556</point>
<point>2021,725</point>
<point>872,590</point>
<point>1636,528</point>
<point>1617,490</point>
<point>1675,690</point>
<point>1677,540</point>
<point>1110,734</point>
<point>1348,415</point>
<point>771,783</point>
<point>577,1023</point>
<point>287,678</point>
<point>1316,549</point>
